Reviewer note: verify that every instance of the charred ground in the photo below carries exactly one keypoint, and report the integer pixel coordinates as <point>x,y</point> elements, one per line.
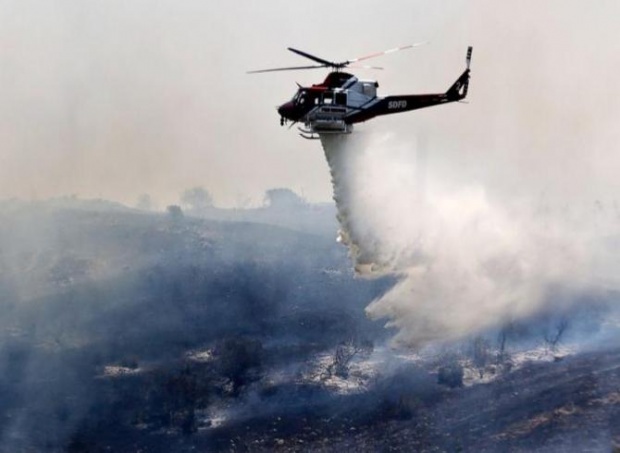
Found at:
<point>130,331</point>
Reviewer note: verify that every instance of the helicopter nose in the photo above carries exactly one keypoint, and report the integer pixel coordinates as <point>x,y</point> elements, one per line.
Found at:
<point>286,110</point>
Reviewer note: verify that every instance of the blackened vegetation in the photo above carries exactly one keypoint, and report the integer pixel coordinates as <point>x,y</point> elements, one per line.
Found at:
<point>125,332</point>
<point>239,361</point>
<point>450,372</point>
<point>344,353</point>
<point>105,315</point>
<point>481,354</point>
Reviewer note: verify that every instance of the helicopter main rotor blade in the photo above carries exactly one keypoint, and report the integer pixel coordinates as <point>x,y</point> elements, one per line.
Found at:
<point>385,52</point>
<point>356,66</point>
<point>312,57</point>
<point>331,64</point>
<point>291,68</point>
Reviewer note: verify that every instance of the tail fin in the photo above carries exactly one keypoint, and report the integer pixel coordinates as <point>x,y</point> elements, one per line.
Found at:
<point>459,89</point>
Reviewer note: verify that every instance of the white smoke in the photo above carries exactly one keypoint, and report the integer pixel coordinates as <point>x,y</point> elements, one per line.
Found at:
<point>464,263</point>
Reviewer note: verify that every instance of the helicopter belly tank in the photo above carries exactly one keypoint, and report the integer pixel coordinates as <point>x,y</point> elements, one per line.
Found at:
<point>329,126</point>
<point>327,118</point>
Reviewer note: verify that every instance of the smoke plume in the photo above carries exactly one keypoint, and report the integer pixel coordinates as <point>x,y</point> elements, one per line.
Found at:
<point>465,260</point>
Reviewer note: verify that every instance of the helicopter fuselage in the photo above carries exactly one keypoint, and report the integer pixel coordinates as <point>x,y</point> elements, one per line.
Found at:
<point>338,97</point>
<point>343,100</point>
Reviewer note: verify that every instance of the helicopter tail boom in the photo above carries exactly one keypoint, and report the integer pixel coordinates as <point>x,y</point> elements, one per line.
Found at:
<point>404,103</point>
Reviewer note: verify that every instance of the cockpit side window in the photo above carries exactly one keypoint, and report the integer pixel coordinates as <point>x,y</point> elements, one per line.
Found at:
<point>300,98</point>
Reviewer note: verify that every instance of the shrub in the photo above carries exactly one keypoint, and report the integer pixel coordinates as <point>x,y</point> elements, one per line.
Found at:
<point>451,375</point>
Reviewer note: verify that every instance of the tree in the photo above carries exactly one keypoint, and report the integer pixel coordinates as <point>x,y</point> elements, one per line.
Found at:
<point>282,198</point>
<point>175,214</point>
<point>197,199</point>
<point>480,354</point>
<point>144,203</point>
<point>554,335</point>
<point>451,373</point>
<point>503,335</point>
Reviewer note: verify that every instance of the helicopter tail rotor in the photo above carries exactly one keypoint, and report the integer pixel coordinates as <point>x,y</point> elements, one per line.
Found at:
<point>458,90</point>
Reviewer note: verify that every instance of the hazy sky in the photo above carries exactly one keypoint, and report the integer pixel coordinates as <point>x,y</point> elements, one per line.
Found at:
<point>115,98</point>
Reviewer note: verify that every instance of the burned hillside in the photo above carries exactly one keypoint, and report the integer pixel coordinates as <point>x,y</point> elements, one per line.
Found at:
<point>131,331</point>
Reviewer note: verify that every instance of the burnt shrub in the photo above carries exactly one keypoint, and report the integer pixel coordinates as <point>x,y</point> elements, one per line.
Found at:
<point>451,375</point>
<point>239,361</point>
<point>344,353</point>
<point>402,395</point>
<point>400,407</point>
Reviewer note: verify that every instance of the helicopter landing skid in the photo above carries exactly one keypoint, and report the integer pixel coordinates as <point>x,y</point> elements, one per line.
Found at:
<point>313,133</point>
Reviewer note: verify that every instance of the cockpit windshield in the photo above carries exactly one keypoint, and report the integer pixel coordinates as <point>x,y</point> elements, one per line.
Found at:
<point>300,97</point>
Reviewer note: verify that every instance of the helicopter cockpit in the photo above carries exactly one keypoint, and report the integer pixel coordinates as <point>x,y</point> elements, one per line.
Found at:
<point>300,97</point>
<point>305,97</point>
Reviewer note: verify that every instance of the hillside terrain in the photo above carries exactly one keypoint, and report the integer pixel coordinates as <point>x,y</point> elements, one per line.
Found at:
<point>131,331</point>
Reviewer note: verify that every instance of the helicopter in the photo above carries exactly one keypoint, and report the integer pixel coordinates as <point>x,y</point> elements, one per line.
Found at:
<point>342,99</point>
